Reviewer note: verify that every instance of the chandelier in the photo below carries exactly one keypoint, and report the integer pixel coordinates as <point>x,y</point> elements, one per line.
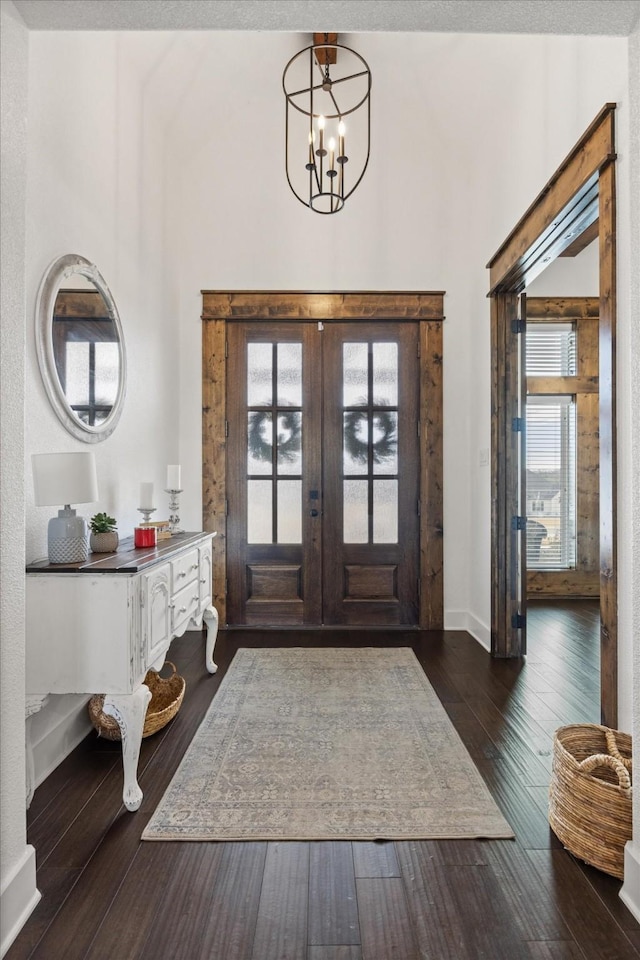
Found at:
<point>327,88</point>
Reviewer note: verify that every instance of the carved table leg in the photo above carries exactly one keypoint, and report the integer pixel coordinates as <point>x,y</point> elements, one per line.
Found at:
<point>129,711</point>
<point>210,618</point>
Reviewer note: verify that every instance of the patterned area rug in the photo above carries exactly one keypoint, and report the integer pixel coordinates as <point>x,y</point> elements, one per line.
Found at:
<point>326,744</point>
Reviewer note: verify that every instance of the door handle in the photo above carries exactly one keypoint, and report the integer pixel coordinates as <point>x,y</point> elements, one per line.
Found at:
<point>314,512</point>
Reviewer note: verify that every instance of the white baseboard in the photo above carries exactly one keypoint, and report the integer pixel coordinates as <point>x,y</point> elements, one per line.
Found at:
<point>18,898</point>
<point>630,892</point>
<point>56,731</point>
<point>463,620</point>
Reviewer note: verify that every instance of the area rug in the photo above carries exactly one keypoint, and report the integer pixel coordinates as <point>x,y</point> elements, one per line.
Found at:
<point>326,744</point>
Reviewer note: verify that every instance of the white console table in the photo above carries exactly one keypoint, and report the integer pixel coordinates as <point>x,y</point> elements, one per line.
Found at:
<point>98,626</point>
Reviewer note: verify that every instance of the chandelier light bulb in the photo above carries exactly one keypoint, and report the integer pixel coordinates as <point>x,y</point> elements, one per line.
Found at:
<point>341,131</point>
<point>321,152</point>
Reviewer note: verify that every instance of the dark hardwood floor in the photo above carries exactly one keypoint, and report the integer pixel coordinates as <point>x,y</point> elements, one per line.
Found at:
<point>107,896</point>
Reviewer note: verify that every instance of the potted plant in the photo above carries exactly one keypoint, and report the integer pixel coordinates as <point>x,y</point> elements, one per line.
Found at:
<point>104,536</point>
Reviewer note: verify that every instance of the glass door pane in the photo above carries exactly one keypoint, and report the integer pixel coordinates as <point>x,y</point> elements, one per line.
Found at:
<point>274,442</point>
<point>370,442</point>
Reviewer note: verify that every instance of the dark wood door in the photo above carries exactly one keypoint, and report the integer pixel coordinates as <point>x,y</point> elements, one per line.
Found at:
<point>322,474</point>
<point>370,468</point>
<point>274,528</point>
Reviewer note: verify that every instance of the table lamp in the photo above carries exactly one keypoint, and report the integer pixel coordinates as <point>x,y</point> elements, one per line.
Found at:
<point>65,478</point>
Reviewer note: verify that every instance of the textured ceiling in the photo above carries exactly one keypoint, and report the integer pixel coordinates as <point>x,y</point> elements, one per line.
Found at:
<point>612,17</point>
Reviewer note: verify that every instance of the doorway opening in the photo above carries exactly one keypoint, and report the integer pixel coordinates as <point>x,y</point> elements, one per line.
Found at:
<point>577,201</point>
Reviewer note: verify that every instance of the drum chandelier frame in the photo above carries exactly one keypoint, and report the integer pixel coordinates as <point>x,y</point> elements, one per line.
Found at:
<point>324,84</point>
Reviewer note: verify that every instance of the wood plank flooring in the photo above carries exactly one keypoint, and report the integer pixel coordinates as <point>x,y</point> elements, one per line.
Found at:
<point>107,895</point>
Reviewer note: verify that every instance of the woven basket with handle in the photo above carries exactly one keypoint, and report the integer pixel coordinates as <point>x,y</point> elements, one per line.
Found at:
<point>590,794</point>
<point>167,694</point>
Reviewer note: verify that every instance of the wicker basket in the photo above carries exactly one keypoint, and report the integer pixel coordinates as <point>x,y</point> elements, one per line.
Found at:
<point>590,794</point>
<point>166,698</point>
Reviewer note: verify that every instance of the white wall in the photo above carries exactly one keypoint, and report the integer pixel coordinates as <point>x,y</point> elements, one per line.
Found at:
<point>629,460</point>
<point>18,893</point>
<point>570,276</point>
<point>96,188</point>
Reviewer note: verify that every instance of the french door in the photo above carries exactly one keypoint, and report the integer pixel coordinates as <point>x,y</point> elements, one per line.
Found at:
<point>323,473</point>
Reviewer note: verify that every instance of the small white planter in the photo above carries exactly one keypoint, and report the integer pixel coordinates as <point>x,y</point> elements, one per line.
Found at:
<point>104,542</point>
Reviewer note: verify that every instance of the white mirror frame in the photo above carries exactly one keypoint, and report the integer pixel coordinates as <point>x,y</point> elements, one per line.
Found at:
<point>60,270</point>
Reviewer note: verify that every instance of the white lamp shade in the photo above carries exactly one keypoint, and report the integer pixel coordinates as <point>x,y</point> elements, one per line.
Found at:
<point>64,478</point>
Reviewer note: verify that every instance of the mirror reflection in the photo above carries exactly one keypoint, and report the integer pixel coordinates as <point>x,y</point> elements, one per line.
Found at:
<point>86,351</point>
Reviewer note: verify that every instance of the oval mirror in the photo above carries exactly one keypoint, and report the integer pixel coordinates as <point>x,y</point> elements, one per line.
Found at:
<point>80,348</point>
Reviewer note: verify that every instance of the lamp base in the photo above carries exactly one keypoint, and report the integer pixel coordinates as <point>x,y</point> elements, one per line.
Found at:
<point>68,537</point>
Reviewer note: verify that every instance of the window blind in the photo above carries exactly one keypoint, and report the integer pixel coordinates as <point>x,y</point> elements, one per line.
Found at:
<point>551,349</point>
<point>551,482</point>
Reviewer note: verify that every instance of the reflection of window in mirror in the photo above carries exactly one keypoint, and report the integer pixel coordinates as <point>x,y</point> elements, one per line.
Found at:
<point>86,351</point>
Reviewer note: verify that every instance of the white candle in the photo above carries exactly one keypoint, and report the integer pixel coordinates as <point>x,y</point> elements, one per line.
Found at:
<point>146,496</point>
<point>173,477</point>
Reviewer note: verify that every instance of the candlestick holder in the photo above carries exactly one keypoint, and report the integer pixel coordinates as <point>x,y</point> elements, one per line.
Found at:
<point>146,513</point>
<point>174,511</point>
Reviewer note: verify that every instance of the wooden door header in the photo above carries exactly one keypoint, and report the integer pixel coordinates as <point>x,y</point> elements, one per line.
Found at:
<point>566,206</point>
<point>562,308</point>
<point>272,305</point>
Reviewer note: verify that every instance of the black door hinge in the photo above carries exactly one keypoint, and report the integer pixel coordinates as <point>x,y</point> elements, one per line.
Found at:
<point>518,325</point>
<point>517,424</point>
<point>518,523</point>
<point>518,621</point>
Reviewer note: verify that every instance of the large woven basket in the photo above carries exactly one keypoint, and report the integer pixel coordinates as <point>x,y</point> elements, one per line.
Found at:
<point>167,694</point>
<point>590,794</point>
